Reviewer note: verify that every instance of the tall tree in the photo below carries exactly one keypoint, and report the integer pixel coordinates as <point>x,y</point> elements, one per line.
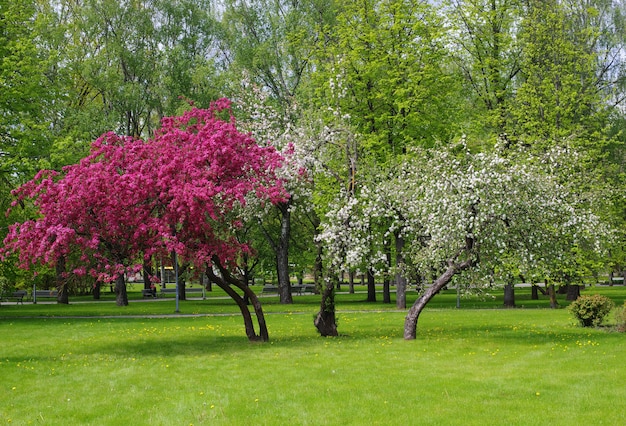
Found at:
<point>486,51</point>
<point>270,43</point>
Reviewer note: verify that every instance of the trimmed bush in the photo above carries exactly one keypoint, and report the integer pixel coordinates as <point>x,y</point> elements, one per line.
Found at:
<point>590,310</point>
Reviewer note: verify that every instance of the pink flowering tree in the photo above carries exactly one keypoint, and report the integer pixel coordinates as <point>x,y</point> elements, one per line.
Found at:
<point>182,192</point>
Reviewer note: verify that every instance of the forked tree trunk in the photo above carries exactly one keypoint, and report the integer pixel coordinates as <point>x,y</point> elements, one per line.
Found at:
<point>121,297</point>
<point>410,323</point>
<point>225,282</point>
<point>325,320</point>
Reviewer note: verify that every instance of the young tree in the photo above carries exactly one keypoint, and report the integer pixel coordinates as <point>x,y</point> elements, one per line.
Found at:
<point>470,211</point>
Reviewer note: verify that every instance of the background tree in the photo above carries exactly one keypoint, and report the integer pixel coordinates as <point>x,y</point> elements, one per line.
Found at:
<point>486,50</point>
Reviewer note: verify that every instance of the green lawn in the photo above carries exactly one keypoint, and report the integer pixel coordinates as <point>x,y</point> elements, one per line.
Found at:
<point>66,365</point>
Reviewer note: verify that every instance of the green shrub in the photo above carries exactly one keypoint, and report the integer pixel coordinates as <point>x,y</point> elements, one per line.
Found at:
<point>620,318</point>
<point>590,310</point>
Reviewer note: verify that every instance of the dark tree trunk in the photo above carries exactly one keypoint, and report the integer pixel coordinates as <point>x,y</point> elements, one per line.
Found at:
<point>534,293</point>
<point>351,282</point>
<point>400,278</point>
<point>61,282</point>
<point>282,254</point>
<point>573,292</point>
<point>147,275</point>
<point>96,290</point>
<point>325,320</point>
<point>509,296</point>
<point>121,297</point>
<point>410,323</point>
<point>371,286</point>
<point>225,282</point>
<point>180,271</point>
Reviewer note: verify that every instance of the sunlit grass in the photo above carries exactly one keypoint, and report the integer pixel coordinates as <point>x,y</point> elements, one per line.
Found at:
<point>467,366</point>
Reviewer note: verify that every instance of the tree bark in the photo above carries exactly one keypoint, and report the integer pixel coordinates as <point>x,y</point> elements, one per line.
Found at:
<point>534,293</point>
<point>282,254</point>
<point>121,297</point>
<point>573,292</point>
<point>400,278</point>
<point>96,290</point>
<point>410,323</point>
<point>351,282</point>
<point>509,296</point>
<point>225,282</point>
<point>552,294</point>
<point>325,320</point>
<point>147,275</point>
<point>61,282</point>
<point>371,286</point>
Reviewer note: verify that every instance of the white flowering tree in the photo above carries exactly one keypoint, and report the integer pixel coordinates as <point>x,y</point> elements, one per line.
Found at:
<point>484,212</point>
<point>463,211</point>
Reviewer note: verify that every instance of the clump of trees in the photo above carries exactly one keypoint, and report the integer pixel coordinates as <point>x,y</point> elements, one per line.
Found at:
<point>367,99</point>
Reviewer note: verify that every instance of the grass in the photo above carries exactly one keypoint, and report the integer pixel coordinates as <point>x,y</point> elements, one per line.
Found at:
<point>77,364</point>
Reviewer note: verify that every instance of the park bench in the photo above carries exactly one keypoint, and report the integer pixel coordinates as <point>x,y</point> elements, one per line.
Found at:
<point>18,296</point>
<point>147,292</point>
<point>45,294</point>
<point>188,290</point>
<point>303,288</point>
<point>165,291</point>
<point>269,289</point>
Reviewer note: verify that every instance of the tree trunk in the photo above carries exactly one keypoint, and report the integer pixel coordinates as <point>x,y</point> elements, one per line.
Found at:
<point>552,294</point>
<point>61,281</point>
<point>351,282</point>
<point>243,307</point>
<point>534,293</point>
<point>387,279</point>
<point>371,286</point>
<point>573,292</point>
<point>96,290</point>
<point>509,296</point>
<point>282,254</point>
<point>147,275</point>
<point>410,323</point>
<point>400,278</point>
<point>121,297</point>
<point>225,282</point>
<point>325,320</point>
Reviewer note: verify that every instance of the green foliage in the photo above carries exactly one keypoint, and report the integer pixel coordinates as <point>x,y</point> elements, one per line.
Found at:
<point>590,310</point>
<point>620,318</point>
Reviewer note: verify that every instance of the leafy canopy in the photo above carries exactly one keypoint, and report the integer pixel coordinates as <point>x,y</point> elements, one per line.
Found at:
<point>129,199</point>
